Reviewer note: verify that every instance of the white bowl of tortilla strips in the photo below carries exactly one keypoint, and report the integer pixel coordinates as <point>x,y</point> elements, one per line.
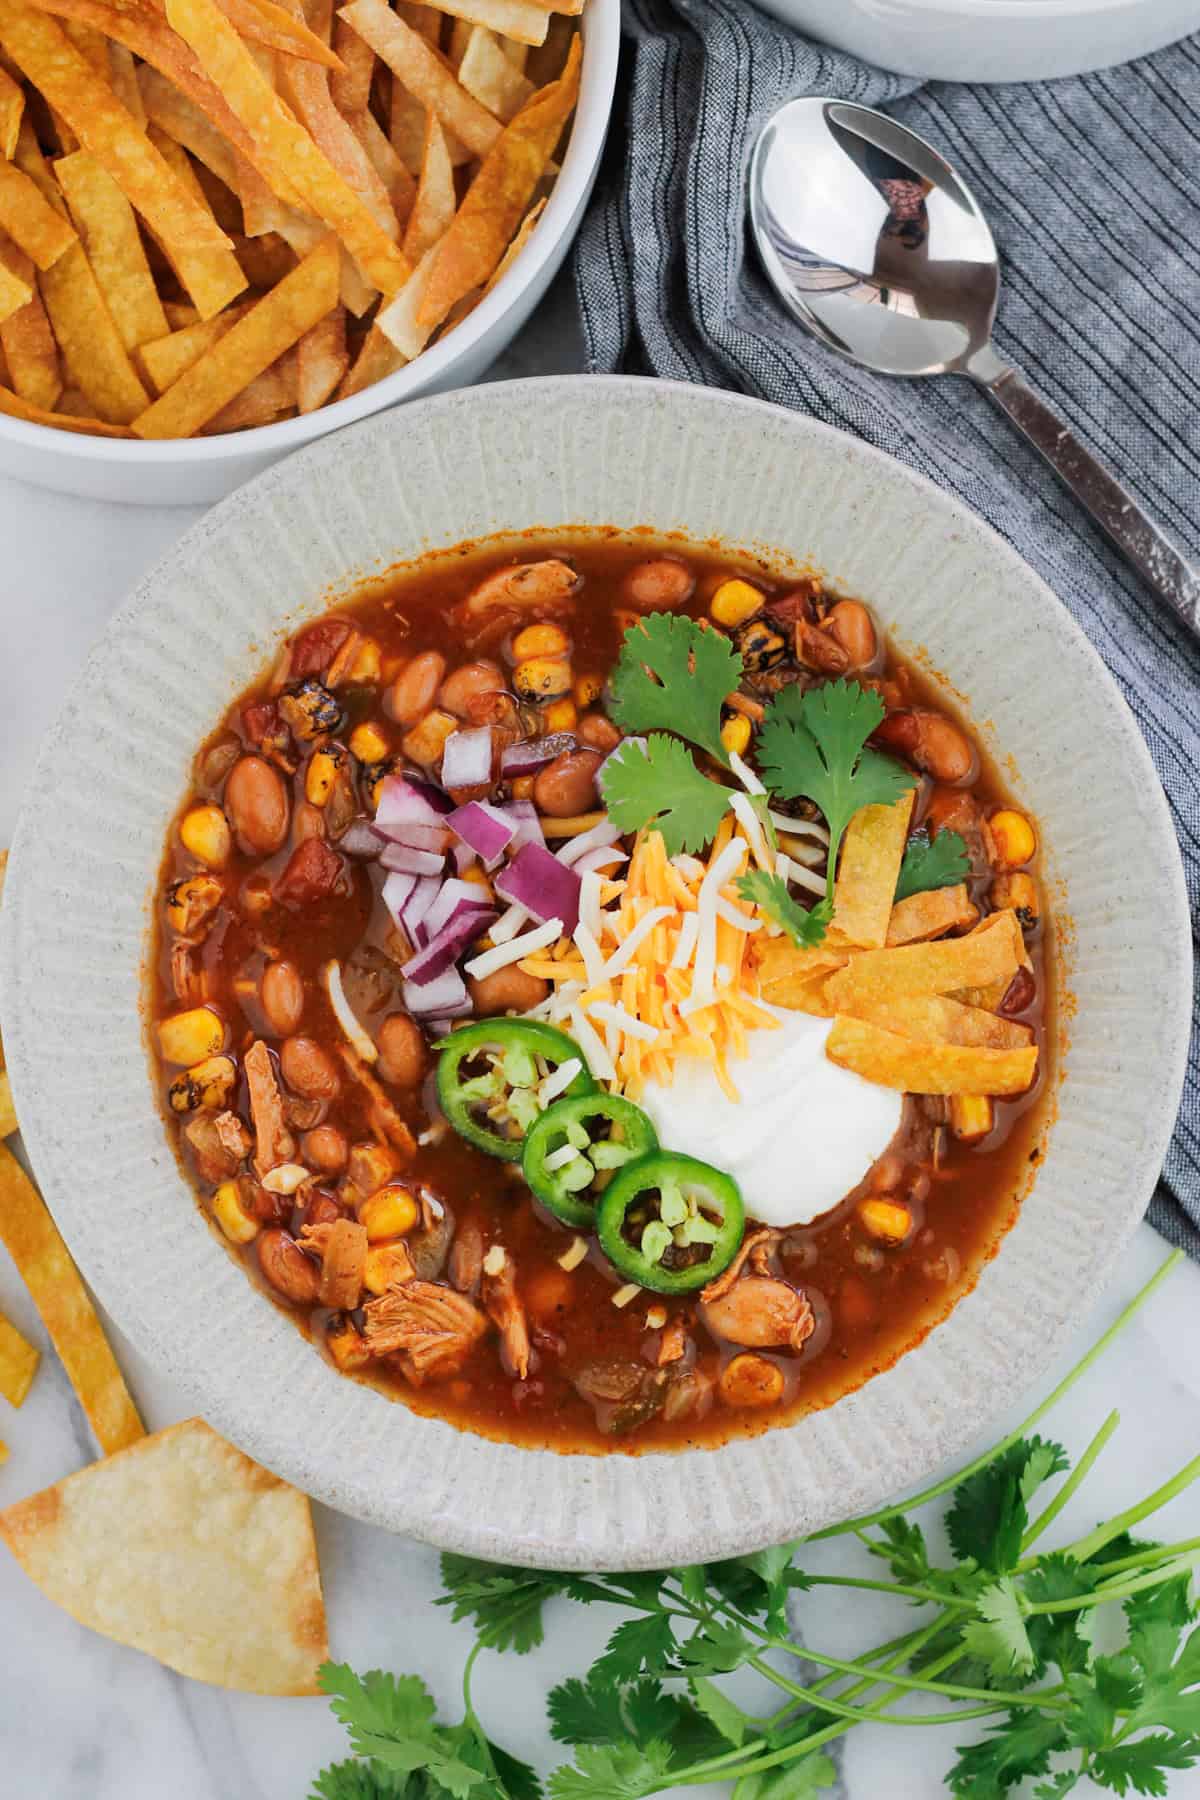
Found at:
<point>657,969</point>
<point>230,226</point>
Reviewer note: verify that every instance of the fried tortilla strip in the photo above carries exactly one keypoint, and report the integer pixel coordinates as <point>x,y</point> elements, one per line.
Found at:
<point>492,77</point>
<point>399,184</point>
<point>30,221</point>
<point>166,359</point>
<point>109,233</point>
<point>436,201</point>
<point>940,968</point>
<point>399,319</point>
<point>515,248</point>
<point>12,105</point>
<point>794,978</point>
<point>499,196</point>
<point>321,360</point>
<point>423,73</point>
<point>184,1548</point>
<point>350,88</point>
<point>8,1112</point>
<point>283,143</point>
<point>15,293</point>
<point>93,354</point>
<point>930,914</point>
<point>40,47</point>
<point>213,278</point>
<point>935,1019</point>
<point>897,1062</point>
<point>31,1238</point>
<point>258,339</point>
<point>989,994</point>
<point>180,118</point>
<point>264,260</point>
<point>18,1363</point>
<point>406,128</point>
<point>122,73</point>
<point>868,869</point>
<point>27,341</point>
<point>307,87</point>
<point>511,18</point>
<point>377,357</point>
<point>278,29</point>
<point>17,408</point>
<point>264,399</point>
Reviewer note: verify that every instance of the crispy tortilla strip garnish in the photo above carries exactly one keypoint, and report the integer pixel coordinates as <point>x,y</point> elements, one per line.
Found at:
<point>264,399</point>
<point>18,1363</point>
<point>308,89</point>
<point>30,221</point>
<point>184,1548</point>
<point>321,360</point>
<point>511,18</point>
<point>377,357</point>
<point>515,248</point>
<point>350,88</point>
<point>492,77</point>
<point>166,359</point>
<point>31,1238</point>
<point>105,129</point>
<point>794,978</point>
<point>8,1112</point>
<point>276,28</point>
<point>122,73</point>
<point>398,320</point>
<point>436,201</point>
<point>545,62</point>
<point>423,73</point>
<point>15,293</point>
<point>16,408</point>
<point>868,869</point>
<point>212,277</point>
<point>283,143</point>
<point>12,105</point>
<point>406,128</point>
<point>181,119</point>
<point>94,356</point>
<point>28,343</point>
<point>108,230</point>
<point>265,260</point>
<point>497,199</point>
<point>934,1019</point>
<point>940,968</point>
<point>897,1062</point>
<point>989,994</point>
<point>258,339</point>
<point>930,915</point>
<point>400,186</point>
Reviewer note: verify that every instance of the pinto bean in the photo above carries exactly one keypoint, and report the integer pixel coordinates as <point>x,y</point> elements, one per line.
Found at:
<point>507,990</point>
<point>415,688</point>
<point>597,732</point>
<point>257,803</point>
<point>324,1148</point>
<point>286,1267</point>
<point>567,785</point>
<point>931,743</point>
<point>468,684</point>
<point>850,623</point>
<point>402,1052</point>
<point>657,585</point>
<point>307,1069</point>
<point>281,995</point>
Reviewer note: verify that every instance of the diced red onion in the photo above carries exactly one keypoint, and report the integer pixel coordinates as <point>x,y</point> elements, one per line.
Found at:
<point>397,891</point>
<point>533,754</point>
<point>467,758</point>
<point>412,862</point>
<point>463,856</point>
<point>598,838</point>
<point>450,896</point>
<point>538,881</point>
<point>416,907</point>
<point>524,815</point>
<point>440,1027</point>
<point>446,946</point>
<point>430,792</point>
<point>403,802</point>
<point>485,829</point>
<point>441,999</point>
<point>360,839</point>
<point>424,837</point>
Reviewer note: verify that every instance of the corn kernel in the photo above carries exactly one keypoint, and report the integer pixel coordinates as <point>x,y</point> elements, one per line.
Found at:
<point>735,735</point>
<point>388,1214</point>
<point>425,742</point>
<point>386,1265</point>
<point>750,1380</point>
<point>971,1116</point>
<point>204,1087</point>
<point>542,678</point>
<point>540,640</point>
<point>320,776</point>
<point>368,743</point>
<point>885,1219</point>
<point>366,666</point>
<point>522,787</point>
<point>205,833</point>
<point>478,878</point>
<point>191,903</point>
<point>588,689</point>
<point>232,1216</point>
<point>1020,892</point>
<point>734,602</point>
<point>347,1347</point>
<point>188,1037</point>
<point>1013,838</point>
<point>562,715</point>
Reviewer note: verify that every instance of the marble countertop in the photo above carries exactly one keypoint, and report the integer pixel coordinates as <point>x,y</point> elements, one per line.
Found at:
<point>82,1719</point>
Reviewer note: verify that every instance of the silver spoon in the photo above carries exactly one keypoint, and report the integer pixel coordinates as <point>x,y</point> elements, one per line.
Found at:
<point>877,246</point>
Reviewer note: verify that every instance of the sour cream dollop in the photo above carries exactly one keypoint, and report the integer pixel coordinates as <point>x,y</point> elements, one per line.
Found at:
<point>804,1132</point>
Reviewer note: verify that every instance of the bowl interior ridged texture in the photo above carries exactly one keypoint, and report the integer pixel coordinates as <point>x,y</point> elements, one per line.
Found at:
<point>601,451</point>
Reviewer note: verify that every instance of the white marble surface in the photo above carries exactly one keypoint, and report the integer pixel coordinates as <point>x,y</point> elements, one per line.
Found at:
<point>81,1719</point>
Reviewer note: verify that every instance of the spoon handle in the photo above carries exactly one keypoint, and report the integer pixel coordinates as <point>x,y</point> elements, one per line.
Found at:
<point>1137,537</point>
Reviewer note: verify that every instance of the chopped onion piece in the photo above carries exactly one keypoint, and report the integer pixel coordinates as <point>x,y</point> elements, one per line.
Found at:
<point>440,999</point>
<point>745,774</point>
<point>359,1040</point>
<point>558,1159</point>
<point>685,943</point>
<point>401,859</point>
<point>610,1014</point>
<point>598,838</point>
<point>447,945</point>
<point>526,758</point>
<point>467,759</point>
<point>592,1044</point>
<point>573,1255</point>
<point>451,896</point>
<point>524,815</point>
<point>499,958</point>
<point>484,829</point>
<point>559,1080</point>
<point>751,824</point>
<point>416,908</point>
<point>804,878</point>
<point>799,827</point>
<point>538,880</point>
<point>397,889</point>
<point>421,837</point>
<point>626,952</point>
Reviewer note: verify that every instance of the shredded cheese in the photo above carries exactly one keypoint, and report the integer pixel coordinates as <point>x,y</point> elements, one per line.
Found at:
<point>558,1082</point>
<point>499,958</point>
<point>745,774</point>
<point>625,1294</point>
<point>356,1036</point>
<point>494,1261</point>
<point>558,1159</point>
<point>621,958</point>
<point>573,1255</point>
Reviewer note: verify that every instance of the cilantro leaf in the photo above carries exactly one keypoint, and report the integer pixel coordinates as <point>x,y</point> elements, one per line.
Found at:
<point>1139,1767</point>
<point>613,1772</point>
<point>375,1702</point>
<point>358,1781</point>
<point>729,1719</point>
<point>695,670</point>
<point>937,862</point>
<point>903,1550</point>
<point>505,1603</point>
<point>1064,1638</point>
<point>586,1712</point>
<point>520,1781</point>
<point>813,746</point>
<point>660,785</point>
<point>997,1635</point>
<point>1021,1746</point>
<point>790,1781</point>
<point>989,1516</point>
<point>647,1643</point>
<point>715,1648</point>
<point>805,925</point>
<point>652,1713</point>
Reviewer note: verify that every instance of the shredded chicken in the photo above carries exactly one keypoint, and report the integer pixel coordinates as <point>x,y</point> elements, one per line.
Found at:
<point>541,584</point>
<point>274,1143</point>
<point>673,1340</point>
<point>508,1314</point>
<point>385,1120</point>
<point>757,1245</point>
<point>342,1263</point>
<point>214,1162</point>
<point>236,1141</point>
<point>759,1311</point>
<point>188,980</point>
<point>431,1327</point>
<point>466,1259</point>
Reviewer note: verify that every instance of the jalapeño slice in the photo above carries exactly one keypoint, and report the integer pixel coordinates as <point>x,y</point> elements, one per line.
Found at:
<point>671,1223</point>
<point>496,1077</point>
<point>574,1147</point>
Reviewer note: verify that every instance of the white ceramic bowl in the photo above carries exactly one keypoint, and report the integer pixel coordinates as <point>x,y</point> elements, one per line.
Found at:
<point>992,40</point>
<point>544,453</point>
<point>196,471</point>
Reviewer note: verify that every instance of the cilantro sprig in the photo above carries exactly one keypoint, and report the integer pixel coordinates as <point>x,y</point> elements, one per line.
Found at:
<point>932,862</point>
<point>674,676</point>
<point>1008,1640</point>
<point>805,925</point>
<point>660,785</point>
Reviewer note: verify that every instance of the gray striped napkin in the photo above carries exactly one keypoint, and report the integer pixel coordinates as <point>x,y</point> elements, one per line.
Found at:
<point>1091,188</point>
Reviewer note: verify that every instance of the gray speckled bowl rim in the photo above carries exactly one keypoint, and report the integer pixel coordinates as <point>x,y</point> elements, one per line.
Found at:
<point>644,1542</point>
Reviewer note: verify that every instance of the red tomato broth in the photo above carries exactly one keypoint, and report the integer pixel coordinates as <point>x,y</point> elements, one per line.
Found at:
<point>871,1302</point>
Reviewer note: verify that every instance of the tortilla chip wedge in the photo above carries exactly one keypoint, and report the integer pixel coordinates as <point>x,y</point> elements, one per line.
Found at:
<point>184,1548</point>
<point>8,1114</point>
<point>18,1363</point>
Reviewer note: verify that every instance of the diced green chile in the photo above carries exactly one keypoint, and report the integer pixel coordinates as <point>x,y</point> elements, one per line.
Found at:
<point>508,1086</point>
<point>697,1204</point>
<point>564,1191</point>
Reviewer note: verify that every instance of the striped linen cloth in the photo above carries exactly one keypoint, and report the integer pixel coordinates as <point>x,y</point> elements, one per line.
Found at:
<point>1091,188</point>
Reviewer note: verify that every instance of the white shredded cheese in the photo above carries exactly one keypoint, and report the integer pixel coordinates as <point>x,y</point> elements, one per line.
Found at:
<point>624,1021</point>
<point>494,1261</point>
<point>433,1134</point>
<point>690,867</point>
<point>574,1254</point>
<point>656,1318</point>
<point>589,949</point>
<point>745,775</point>
<point>593,1046</point>
<point>509,923</point>
<point>359,1040</point>
<point>733,915</point>
<point>751,825</point>
<point>724,975</point>
<point>685,943</point>
<point>559,1080</point>
<point>625,954</point>
<point>503,954</point>
<point>598,838</point>
<point>799,827</point>
<point>589,905</point>
<point>625,1294</point>
<point>804,878</point>
<point>558,1159</point>
<point>285,1178</point>
<point>812,855</point>
<point>720,871</point>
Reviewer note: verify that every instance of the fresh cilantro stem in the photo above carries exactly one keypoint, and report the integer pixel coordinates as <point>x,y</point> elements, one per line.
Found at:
<point>919,1684</point>
<point>897,1588</point>
<point>1086,1547</point>
<point>1073,1482</point>
<point>1165,1553</point>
